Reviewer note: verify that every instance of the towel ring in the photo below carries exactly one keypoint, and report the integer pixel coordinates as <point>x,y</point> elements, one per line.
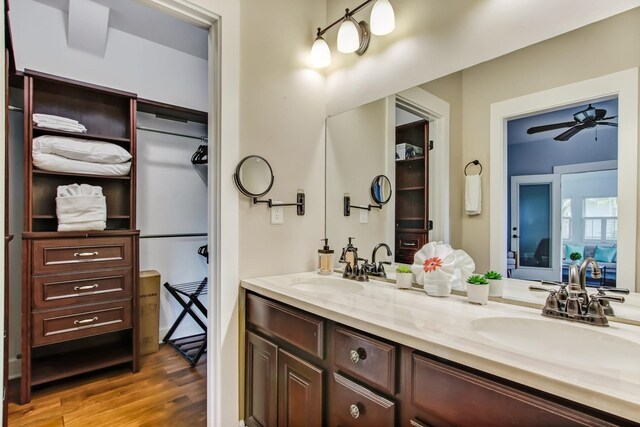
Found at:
<point>474,162</point>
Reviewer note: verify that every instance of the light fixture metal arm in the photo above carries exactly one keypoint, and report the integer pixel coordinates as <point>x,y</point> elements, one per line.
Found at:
<point>348,13</point>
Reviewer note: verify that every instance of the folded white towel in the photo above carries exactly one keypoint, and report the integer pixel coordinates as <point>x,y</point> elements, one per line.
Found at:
<point>473,195</point>
<point>83,226</point>
<point>63,126</point>
<point>40,118</point>
<point>80,207</point>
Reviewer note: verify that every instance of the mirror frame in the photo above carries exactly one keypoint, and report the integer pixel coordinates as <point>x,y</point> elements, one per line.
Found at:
<point>237,180</point>
<point>373,194</point>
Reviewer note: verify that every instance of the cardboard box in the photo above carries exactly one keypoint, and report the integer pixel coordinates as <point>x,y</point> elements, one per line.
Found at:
<point>149,304</point>
<point>406,151</point>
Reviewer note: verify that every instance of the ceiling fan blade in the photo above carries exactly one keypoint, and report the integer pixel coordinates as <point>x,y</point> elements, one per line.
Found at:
<point>615,125</point>
<point>609,118</point>
<point>537,129</point>
<point>570,133</point>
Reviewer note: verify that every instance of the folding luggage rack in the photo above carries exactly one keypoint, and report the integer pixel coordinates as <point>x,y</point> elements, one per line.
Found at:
<point>194,346</point>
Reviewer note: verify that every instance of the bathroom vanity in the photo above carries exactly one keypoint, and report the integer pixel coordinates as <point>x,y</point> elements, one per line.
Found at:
<point>328,351</point>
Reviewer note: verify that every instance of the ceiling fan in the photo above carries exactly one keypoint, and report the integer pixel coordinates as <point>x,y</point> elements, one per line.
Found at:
<point>588,118</point>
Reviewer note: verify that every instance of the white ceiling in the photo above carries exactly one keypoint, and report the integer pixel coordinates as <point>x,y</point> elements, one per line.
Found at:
<point>151,24</point>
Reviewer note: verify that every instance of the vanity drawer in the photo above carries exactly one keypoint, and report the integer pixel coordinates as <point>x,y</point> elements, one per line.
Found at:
<point>81,288</point>
<point>300,329</point>
<point>61,255</point>
<point>354,405</point>
<point>54,326</point>
<point>367,359</point>
<point>462,398</point>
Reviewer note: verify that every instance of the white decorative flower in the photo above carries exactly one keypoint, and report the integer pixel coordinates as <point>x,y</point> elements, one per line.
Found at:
<point>434,262</point>
<point>464,267</point>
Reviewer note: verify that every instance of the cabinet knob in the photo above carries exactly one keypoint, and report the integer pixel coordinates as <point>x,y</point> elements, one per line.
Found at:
<point>354,410</point>
<point>356,355</point>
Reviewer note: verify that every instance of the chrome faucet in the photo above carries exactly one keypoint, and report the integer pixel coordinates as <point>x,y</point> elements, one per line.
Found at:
<point>373,269</point>
<point>353,271</point>
<point>578,275</point>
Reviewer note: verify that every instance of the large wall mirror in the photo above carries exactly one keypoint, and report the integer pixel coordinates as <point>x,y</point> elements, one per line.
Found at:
<point>557,138</point>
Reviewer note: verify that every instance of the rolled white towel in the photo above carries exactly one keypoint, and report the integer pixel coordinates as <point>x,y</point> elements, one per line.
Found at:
<point>83,226</point>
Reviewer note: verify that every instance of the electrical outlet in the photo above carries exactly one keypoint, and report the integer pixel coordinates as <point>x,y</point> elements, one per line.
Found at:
<point>277,214</point>
<point>364,216</point>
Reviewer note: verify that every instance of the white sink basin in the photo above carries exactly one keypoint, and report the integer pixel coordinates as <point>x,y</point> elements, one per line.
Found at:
<point>562,343</point>
<point>328,285</point>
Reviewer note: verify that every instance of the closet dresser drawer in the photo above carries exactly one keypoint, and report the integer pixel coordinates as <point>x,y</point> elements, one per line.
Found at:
<point>81,288</point>
<point>367,359</point>
<point>62,255</point>
<point>353,405</point>
<point>54,326</point>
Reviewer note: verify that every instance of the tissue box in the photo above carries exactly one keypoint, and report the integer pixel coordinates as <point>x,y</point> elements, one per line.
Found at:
<point>406,151</point>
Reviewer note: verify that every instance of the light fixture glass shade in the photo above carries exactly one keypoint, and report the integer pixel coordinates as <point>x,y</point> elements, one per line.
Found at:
<point>348,36</point>
<point>320,53</point>
<point>383,19</point>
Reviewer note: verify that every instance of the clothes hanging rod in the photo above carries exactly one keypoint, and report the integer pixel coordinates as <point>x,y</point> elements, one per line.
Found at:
<point>167,236</point>
<point>166,132</point>
<point>12,108</point>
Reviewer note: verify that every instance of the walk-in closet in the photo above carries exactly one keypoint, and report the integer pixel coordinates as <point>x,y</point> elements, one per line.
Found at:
<point>107,195</point>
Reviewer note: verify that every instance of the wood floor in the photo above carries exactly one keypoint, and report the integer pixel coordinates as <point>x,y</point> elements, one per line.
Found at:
<point>166,392</point>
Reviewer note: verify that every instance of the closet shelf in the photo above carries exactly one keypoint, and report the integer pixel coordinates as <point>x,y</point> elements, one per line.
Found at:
<point>411,159</point>
<point>418,187</point>
<point>47,216</point>
<point>67,364</point>
<point>79,175</point>
<point>114,139</point>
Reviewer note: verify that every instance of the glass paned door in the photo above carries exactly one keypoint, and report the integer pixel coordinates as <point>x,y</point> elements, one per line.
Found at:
<point>536,224</point>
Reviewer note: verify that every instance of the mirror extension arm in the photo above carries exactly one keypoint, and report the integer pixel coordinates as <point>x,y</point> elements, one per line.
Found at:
<point>299,202</point>
<point>348,206</point>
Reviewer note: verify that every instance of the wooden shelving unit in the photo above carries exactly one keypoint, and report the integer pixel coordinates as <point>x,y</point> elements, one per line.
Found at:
<point>412,193</point>
<point>89,329</point>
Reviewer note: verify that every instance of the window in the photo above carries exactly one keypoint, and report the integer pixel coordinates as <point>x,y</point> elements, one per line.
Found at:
<point>565,225</point>
<point>601,218</point>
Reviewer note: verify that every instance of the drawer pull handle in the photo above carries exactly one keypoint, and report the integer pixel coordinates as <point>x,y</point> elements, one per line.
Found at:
<point>85,254</point>
<point>85,288</point>
<point>82,322</point>
<point>408,244</point>
<point>354,411</point>
<point>356,355</point>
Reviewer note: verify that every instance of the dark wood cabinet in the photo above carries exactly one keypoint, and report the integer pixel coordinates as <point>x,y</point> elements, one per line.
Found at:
<point>282,386</point>
<point>300,393</point>
<point>261,389</point>
<point>412,192</point>
<point>79,288</point>
<point>369,381</point>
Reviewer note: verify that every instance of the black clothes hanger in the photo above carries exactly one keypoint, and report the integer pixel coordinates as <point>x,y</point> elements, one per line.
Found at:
<point>201,156</point>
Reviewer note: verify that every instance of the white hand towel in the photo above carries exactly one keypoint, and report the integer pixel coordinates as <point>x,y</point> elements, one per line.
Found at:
<point>473,195</point>
<point>38,118</point>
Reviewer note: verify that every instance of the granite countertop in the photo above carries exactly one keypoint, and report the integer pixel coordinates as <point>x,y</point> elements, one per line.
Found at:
<point>445,327</point>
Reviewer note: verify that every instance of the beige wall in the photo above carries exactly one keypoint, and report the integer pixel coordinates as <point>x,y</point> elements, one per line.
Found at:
<point>434,38</point>
<point>282,110</point>
<point>356,153</point>
<point>604,47</point>
<point>449,89</point>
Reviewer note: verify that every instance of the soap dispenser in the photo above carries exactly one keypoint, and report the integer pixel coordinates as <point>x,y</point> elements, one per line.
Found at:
<point>325,258</point>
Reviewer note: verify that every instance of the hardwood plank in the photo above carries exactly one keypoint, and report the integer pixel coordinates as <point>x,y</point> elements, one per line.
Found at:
<point>166,392</point>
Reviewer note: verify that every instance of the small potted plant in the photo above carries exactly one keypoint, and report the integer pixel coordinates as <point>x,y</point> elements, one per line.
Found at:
<point>495,283</point>
<point>575,257</point>
<point>477,290</point>
<point>404,277</point>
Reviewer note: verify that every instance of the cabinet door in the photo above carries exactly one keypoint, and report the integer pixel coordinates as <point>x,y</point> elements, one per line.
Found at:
<point>299,392</point>
<point>261,387</point>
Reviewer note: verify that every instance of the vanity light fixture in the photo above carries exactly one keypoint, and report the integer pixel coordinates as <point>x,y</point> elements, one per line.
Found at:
<point>354,36</point>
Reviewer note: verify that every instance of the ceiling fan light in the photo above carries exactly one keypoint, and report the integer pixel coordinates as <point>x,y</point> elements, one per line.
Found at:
<point>320,53</point>
<point>348,36</point>
<point>383,19</point>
